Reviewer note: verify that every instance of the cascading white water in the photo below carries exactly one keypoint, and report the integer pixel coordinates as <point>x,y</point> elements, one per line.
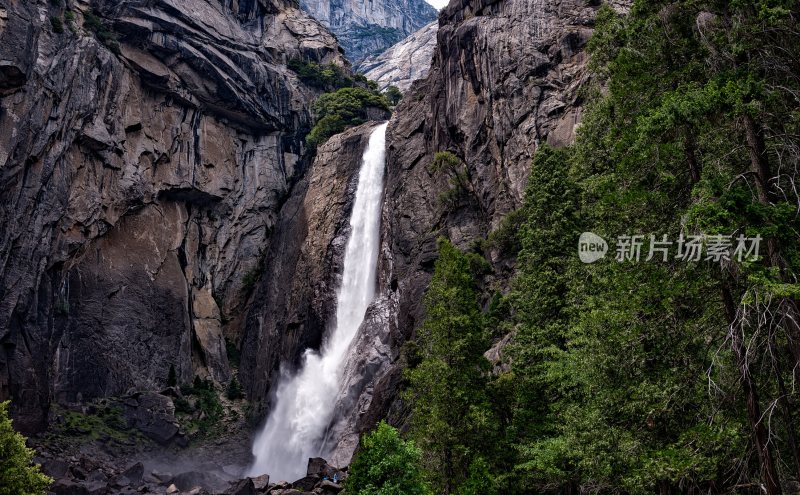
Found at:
<point>304,402</point>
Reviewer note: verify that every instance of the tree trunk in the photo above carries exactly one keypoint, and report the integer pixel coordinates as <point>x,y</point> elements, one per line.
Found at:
<point>786,407</point>
<point>760,433</point>
<point>690,148</point>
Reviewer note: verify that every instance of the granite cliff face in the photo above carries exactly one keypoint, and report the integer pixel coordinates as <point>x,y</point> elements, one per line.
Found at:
<point>369,28</point>
<point>403,63</point>
<point>156,202</point>
<point>505,79</point>
<point>140,178</point>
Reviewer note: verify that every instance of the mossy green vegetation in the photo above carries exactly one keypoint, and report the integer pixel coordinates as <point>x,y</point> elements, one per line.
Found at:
<point>200,410</point>
<point>18,474</point>
<point>346,102</point>
<point>342,109</point>
<point>100,420</point>
<point>57,24</point>
<point>95,25</point>
<point>327,77</point>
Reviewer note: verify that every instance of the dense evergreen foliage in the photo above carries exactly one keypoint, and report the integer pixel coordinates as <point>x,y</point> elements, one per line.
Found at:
<point>666,375</point>
<point>18,476</point>
<point>452,416</point>
<point>341,109</point>
<point>327,77</point>
<point>386,465</point>
<point>346,102</point>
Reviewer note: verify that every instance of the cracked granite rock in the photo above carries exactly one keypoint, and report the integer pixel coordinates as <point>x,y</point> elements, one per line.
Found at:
<point>140,181</point>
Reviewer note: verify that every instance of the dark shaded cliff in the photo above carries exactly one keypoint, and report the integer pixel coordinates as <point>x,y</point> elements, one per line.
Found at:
<point>146,148</point>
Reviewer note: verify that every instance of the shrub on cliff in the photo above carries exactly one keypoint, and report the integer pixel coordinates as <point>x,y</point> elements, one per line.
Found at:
<point>347,107</point>
<point>18,476</point>
<point>394,95</point>
<point>322,76</point>
<point>386,465</point>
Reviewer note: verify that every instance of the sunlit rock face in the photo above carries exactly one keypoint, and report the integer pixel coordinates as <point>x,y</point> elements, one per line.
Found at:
<point>368,28</point>
<point>140,182</point>
<point>403,63</point>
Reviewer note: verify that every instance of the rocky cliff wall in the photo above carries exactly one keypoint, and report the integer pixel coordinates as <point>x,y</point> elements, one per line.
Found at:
<point>368,28</point>
<point>145,151</point>
<point>505,78</point>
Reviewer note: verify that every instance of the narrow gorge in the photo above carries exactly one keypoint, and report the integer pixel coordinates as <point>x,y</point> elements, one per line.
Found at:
<point>165,222</point>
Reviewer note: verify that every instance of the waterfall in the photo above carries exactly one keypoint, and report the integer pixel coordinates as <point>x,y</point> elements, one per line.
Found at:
<point>304,402</point>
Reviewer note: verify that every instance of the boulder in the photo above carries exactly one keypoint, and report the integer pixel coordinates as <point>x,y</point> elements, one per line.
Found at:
<point>317,466</point>
<point>261,482</point>
<point>161,477</point>
<point>135,473</point>
<point>121,481</point>
<point>328,487</point>
<point>154,415</point>
<point>96,487</point>
<point>195,479</point>
<point>55,468</point>
<point>242,487</point>
<point>306,484</point>
<point>69,487</point>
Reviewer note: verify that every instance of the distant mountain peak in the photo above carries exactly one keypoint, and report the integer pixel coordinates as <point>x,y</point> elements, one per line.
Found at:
<point>368,28</point>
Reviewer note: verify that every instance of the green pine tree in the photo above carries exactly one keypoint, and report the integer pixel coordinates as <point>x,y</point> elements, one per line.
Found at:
<point>18,476</point>
<point>386,465</point>
<point>452,419</point>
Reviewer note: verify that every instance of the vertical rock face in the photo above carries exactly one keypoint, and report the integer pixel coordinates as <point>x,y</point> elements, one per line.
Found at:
<point>405,62</point>
<point>504,79</point>
<point>139,188</point>
<point>368,28</point>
